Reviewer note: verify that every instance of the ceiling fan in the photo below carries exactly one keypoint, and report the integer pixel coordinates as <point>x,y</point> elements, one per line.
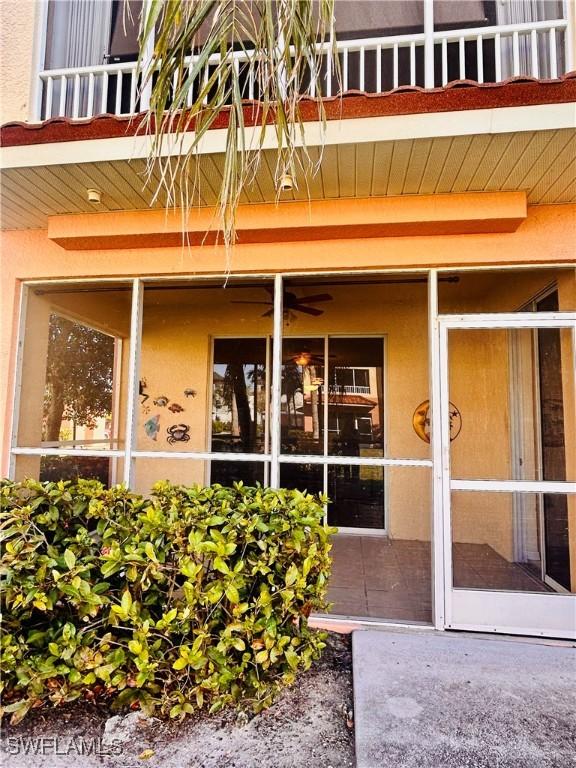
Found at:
<point>291,302</point>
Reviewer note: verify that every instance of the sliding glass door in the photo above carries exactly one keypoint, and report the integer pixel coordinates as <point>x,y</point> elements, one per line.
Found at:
<point>332,406</point>
<point>333,415</point>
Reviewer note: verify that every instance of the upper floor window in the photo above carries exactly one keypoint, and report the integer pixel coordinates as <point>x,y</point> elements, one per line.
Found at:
<point>83,33</point>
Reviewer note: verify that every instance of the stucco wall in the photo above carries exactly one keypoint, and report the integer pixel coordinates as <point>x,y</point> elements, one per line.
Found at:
<point>177,337</point>
<point>178,329</point>
<point>548,234</point>
<point>17,50</point>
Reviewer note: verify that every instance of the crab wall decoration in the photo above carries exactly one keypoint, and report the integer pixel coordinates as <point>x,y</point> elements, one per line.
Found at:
<point>175,408</point>
<point>178,433</point>
<point>189,392</point>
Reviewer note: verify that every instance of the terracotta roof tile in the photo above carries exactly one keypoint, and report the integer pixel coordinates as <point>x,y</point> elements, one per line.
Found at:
<point>459,95</point>
<point>346,399</point>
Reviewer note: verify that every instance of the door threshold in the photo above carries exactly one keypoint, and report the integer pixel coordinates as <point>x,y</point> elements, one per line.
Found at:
<point>346,624</point>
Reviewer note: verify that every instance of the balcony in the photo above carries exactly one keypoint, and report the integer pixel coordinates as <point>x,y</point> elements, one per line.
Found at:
<point>487,54</point>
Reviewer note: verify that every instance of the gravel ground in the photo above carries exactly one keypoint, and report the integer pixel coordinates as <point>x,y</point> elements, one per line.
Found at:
<point>309,725</point>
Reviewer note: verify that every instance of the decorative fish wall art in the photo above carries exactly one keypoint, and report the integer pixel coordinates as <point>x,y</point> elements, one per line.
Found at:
<point>161,401</point>
<point>152,427</point>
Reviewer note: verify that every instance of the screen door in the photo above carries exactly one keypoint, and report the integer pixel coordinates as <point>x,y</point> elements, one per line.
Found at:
<point>509,472</point>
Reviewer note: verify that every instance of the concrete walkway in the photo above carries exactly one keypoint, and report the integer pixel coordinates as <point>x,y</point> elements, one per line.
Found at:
<point>442,700</point>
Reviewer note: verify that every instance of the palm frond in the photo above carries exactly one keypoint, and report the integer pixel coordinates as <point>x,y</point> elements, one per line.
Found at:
<point>210,58</point>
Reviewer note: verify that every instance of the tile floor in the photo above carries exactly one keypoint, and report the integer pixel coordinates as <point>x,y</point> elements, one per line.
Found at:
<point>376,577</point>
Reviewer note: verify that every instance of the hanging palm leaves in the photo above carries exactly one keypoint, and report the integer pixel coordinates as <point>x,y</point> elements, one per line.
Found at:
<point>210,59</point>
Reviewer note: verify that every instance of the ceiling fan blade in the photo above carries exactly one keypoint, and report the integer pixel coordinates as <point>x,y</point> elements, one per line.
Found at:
<point>308,310</point>
<point>234,301</point>
<point>312,299</point>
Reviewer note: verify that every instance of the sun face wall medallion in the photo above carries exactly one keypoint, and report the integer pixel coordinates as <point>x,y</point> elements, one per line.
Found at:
<point>421,421</point>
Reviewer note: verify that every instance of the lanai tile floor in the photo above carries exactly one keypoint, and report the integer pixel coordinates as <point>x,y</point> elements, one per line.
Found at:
<point>377,577</point>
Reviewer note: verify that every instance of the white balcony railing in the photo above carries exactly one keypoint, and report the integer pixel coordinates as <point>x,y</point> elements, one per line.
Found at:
<point>355,389</point>
<point>347,389</point>
<point>375,65</point>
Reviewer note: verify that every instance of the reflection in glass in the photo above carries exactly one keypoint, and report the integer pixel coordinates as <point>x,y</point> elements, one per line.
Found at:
<point>302,413</point>
<point>55,468</point>
<point>355,408</point>
<point>229,472</point>
<point>238,408</point>
<point>356,496</point>
<point>355,397</point>
<point>304,477</point>
<point>238,395</point>
<point>79,384</point>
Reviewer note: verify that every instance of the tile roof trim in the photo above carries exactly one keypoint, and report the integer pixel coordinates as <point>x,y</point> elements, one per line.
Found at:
<point>459,95</point>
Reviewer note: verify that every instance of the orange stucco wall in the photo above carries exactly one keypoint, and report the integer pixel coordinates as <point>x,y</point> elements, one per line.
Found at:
<point>547,235</point>
<point>178,327</point>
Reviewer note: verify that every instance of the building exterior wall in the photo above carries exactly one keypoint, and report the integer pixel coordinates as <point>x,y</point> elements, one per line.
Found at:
<point>177,337</point>
<point>18,20</point>
<point>547,235</point>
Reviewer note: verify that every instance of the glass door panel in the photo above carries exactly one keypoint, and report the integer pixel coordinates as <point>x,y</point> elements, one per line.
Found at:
<point>302,401</point>
<point>306,477</point>
<point>355,397</point>
<point>239,408</point>
<point>356,496</point>
<point>350,401</point>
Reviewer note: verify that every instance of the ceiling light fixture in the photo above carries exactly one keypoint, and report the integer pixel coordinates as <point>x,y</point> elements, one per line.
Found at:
<point>285,183</point>
<point>94,196</point>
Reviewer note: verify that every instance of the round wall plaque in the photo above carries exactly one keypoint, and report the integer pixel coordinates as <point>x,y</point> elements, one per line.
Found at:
<point>421,421</point>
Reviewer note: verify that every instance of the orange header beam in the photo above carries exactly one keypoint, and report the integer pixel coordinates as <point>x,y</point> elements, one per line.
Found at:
<point>407,216</point>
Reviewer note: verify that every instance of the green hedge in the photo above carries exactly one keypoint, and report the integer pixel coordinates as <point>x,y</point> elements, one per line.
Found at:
<point>193,598</point>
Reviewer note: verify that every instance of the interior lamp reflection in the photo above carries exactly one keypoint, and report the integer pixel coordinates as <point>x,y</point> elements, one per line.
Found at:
<point>302,358</point>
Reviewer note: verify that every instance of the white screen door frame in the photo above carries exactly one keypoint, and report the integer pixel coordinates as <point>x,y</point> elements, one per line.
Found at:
<point>527,613</point>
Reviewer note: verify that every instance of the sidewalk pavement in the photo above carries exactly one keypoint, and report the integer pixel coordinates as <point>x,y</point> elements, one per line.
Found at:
<point>448,700</point>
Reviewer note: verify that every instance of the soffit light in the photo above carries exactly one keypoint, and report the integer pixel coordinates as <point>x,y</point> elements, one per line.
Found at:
<point>285,183</point>
<point>94,196</point>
